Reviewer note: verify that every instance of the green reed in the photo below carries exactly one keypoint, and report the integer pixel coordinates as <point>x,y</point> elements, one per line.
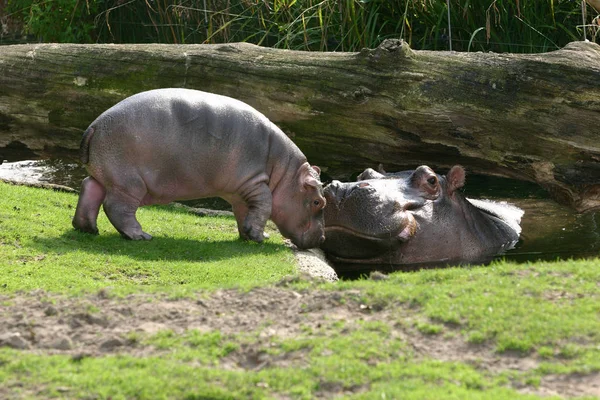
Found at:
<point>319,25</point>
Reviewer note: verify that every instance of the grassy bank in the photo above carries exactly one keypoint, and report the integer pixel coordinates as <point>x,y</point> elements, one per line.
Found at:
<point>40,249</point>
<point>195,313</point>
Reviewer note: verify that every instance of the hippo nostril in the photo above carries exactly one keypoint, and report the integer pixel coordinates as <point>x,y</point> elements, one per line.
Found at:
<point>411,205</point>
<point>405,206</point>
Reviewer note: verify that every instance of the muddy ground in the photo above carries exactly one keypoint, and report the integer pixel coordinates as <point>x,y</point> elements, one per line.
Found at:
<point>101,324</point>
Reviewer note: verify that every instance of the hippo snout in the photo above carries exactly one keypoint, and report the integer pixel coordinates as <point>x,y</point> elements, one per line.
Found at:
<point>305,244</point>
<point>337,192</point>
<point>313,237</point>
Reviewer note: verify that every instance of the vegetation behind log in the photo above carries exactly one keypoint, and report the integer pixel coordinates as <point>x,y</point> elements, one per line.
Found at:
<point>526,26</point>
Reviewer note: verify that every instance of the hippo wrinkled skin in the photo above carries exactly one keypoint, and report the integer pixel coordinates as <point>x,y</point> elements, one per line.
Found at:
<point>414,218</point>
<point>179,144</point>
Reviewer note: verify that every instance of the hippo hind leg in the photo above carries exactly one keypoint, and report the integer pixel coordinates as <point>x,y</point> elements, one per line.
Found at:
<point>120,208</point>
<point>91,197</point>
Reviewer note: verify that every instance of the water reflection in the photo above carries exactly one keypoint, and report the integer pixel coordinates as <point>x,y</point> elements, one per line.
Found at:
<point>58,172</point>
<point>550,231</point>
<point>70,174</point>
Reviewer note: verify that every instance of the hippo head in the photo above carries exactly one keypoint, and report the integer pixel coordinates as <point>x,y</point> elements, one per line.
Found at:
<point>298,208</point>
<point>414,217</point>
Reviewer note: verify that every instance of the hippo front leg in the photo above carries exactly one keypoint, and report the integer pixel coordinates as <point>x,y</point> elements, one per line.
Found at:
<point>253,212</point>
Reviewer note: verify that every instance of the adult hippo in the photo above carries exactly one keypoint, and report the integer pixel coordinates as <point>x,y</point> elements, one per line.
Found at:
<point>413,218</point>
<point>179,144</point>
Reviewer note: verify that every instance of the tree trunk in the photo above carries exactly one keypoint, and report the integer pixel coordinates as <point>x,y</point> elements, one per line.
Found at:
<point>533,117</point>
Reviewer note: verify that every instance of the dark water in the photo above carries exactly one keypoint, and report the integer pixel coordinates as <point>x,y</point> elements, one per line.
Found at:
<point>550,231</point>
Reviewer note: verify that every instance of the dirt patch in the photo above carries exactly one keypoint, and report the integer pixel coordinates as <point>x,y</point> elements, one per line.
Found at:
<point>96,325</point>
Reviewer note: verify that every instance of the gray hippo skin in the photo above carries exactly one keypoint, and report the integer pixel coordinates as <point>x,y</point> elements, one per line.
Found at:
<point>179,144</point>
<point>414,218</point>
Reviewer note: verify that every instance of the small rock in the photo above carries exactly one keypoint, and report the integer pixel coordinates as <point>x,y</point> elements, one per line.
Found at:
<point>98,320</point>
<point>152,327</point>
<point>104,293</point>
<point>78,320</point>
<point>79,357</point>
<point>50,311</point>
<point>336,296</point>
<point>14,340</point>
<point>75,323</point>
<point>201,303</point>
<point>125,311</point>
<point>111,344</point>
<point>61,343</point>
<point>378,276</point>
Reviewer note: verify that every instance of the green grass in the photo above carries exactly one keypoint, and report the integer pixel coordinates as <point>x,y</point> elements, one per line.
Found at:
<point>40,250</point>
<point>358,360</point>
<point>365,359</point>
<point>518,307</point>
<point>547,311</point>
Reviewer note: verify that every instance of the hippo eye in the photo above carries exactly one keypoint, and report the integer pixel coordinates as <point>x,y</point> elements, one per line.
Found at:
<point>316,202</point>
<point>432,180</point>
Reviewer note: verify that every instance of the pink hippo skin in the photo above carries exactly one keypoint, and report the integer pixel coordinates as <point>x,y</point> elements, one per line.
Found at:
<point>179,144</point>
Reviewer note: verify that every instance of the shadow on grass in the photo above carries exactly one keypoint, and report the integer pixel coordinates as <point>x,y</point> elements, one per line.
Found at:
<point>159,248</point>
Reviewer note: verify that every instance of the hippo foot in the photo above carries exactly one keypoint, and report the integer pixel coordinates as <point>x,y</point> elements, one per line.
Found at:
<point>254,234</point>
<point>87,229</point>
<point>141,236</point>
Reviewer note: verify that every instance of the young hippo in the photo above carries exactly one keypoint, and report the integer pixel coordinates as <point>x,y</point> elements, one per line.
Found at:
<point>179,144</point>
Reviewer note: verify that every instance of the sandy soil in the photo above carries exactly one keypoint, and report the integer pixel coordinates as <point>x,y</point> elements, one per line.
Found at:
<point>50,324</point>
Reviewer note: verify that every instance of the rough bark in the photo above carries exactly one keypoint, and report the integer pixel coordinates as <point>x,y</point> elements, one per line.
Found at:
<point>534,117</point>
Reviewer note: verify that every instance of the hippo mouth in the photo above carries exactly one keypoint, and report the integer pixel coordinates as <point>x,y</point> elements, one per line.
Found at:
<point>408,229</point>
<point>306,240</point>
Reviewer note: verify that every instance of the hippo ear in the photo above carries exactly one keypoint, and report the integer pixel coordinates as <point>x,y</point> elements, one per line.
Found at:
<point>311,182</point>
<point>309,177</point>
<point>380,169</point>
<point>369,173</point>
<point>456,178</point>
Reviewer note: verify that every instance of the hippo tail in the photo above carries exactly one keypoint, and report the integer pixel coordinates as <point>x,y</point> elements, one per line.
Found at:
<point>84,147</point>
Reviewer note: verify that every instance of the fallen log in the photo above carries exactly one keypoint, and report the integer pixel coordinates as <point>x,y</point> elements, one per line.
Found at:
<point>532,117</point>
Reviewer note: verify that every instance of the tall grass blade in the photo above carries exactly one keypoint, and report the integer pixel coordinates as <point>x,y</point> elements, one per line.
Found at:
<point>449,25</point>
<point>540,33</point>
<point>473,36</point>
